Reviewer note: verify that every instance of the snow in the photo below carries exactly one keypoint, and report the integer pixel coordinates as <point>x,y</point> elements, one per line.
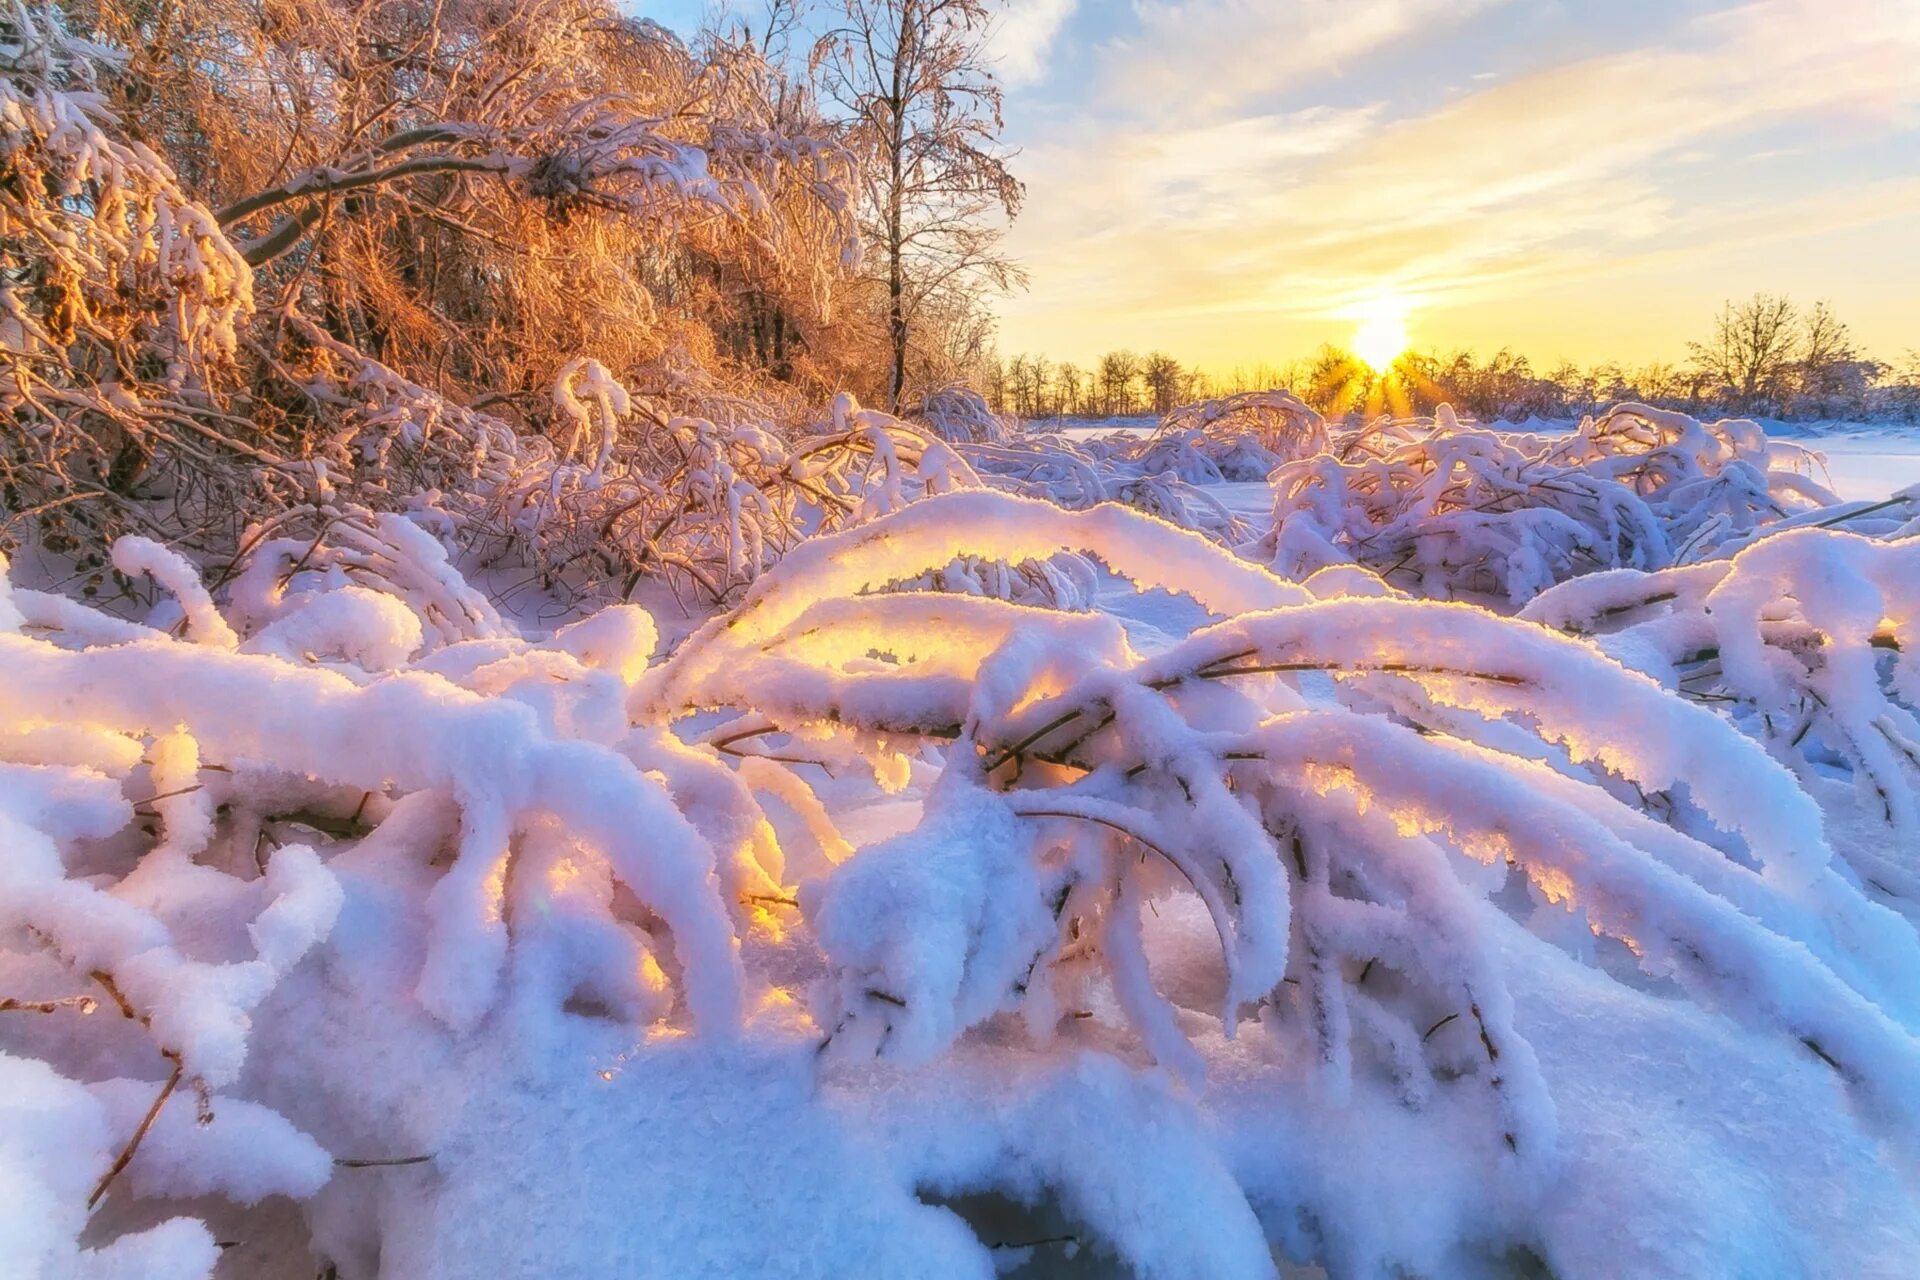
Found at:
<point>1865,462</point>
<point>1152,914</point>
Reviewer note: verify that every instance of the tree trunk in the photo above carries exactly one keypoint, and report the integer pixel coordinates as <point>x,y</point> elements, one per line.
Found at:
<point>896,243</point>
<point>896,315</point>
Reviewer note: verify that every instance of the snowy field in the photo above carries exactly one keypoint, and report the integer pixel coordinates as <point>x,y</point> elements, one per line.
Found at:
<point>1867,461</point>
<point>999,885</point>
<point>1864,460</point>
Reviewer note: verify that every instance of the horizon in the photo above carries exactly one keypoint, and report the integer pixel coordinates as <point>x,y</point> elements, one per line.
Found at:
<point>1238,184</point>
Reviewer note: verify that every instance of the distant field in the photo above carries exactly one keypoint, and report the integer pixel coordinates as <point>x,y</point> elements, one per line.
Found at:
<point>1868,461</point>
<point>1863,459</point>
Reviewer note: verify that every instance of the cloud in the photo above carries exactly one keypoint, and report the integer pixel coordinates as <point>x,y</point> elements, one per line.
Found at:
<point>1179,181</point>
<point>1192,56</point>
<point>1023,36</point>
<point>1512,184</point>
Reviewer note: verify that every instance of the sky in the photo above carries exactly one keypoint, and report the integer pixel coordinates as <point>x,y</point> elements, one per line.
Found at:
<point>1239,181</point>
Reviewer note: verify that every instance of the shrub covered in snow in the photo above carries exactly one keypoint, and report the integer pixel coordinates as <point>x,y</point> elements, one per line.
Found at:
<point>957,413</point>
<point>1805,639</point>
<point>338,916</point>
<point>1241,437</point>
<point>1079,475</point>
<point>1317,828</point>
<point>1451,509</point>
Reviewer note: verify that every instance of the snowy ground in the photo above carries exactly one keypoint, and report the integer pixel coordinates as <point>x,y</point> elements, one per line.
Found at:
<point>1864,460</point>
<point>1569,974</point>
<point>1867,461</point>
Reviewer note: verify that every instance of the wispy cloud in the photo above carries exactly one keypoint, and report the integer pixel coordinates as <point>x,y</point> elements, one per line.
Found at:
<point>1564,169</point>
<point>1023,36</point>
<point>1192,56</point>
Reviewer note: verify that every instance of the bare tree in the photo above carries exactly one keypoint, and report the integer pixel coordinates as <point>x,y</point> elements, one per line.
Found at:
<point>1033,390</point>
<point>1337,381</point>
<point>1164,379</point>
<point>995,383</point>
<point>1019,376</point>
<point>1902,394</point>
<point>1753,351</point>
<point>1067,382</point>
<point>1833,377</point>
<point>1117,371</point>
<point>914,77</point>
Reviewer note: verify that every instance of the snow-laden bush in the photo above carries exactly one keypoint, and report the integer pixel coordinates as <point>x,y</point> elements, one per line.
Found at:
<point>1446,508</point>
<point>1365,928</point>
<point>1453,509</point>
<point>142,390</point>
<point>694,500</point>
<point>1240,437</point>
<point>1806,640</point>
<point>159,809</point>
<point>1076,476</point>
<point>130,965</point>
<point>1320,826</point>
<point>959,414</point>
<point>628,491</point>
<point>1168,472</point>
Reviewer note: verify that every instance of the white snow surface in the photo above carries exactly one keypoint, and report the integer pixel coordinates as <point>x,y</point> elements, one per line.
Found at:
<point>1223,925</point>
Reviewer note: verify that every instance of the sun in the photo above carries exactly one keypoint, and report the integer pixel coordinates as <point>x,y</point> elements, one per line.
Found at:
<point>1382,334</point>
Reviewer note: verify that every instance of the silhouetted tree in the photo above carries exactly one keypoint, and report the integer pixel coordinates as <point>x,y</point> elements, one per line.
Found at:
<point>1753,351</point>
<point>1118,369</point>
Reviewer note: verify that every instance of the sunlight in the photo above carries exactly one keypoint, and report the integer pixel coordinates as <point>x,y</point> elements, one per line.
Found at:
<point>1382,334</point>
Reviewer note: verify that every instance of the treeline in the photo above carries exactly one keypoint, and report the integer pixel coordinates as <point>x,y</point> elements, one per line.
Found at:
<point>1766,357</point>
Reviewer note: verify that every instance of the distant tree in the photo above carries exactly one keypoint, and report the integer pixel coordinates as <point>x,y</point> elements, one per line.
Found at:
<point>1016,388</point>
<point>1337,381</point>
<point>1901,395</point>
<point>1833,378</point>
<point>994,379</point>
<point>1661,383</point>
<point>1825,340</point>
<point>1164,379</point>
<point>1067,382</point>
<point>1118,369</point>
<point>1574,387</point>
<point>1261,377</point>
<point>1505,387</point>
<point>1033,386</point>
<point>1753,352</point>
<point>1614,382</point>
<point>1042,387</point>
<point>914,77</point>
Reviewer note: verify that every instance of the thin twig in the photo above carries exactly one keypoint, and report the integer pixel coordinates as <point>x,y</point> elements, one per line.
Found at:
<point>133,1144</point>
<point>85,1004</point>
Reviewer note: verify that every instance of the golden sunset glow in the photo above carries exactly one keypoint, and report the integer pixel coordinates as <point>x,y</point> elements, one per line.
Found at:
<point>1382,335</point>
<point>1215,179</point>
